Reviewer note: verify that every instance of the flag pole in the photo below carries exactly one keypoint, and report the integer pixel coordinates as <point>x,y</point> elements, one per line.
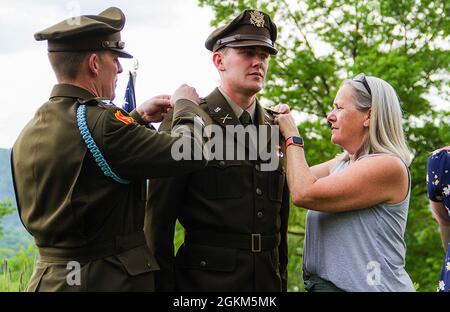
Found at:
<point>130,97</point>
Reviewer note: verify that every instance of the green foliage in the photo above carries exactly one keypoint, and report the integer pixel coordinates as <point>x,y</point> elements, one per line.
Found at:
<point>321,43</point>
<point>179,236</point>
<point>5,209</point>
<point>296,236</point>
<point>16,262</point>
<point>15,272</point>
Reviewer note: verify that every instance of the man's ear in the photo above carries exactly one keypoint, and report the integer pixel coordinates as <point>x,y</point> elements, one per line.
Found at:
<point>218,60</point>
<point>367,120</point>
<point>93,64</point>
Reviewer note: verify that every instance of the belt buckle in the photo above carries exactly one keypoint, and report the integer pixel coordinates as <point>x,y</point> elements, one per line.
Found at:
<point>256,241</point>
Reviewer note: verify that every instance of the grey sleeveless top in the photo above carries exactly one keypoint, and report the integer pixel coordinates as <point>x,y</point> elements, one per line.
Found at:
<point>361,250</point>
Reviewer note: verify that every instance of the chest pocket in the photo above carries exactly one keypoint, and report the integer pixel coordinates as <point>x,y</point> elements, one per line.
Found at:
<point>222,179</point>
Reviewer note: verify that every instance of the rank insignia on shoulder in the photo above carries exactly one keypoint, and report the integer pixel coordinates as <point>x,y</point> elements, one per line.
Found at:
<point>128,120</point>
<point>107,102</point>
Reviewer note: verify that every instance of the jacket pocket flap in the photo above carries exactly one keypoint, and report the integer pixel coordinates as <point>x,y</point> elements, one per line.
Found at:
<point>138,260</point>
<point>206,258</point>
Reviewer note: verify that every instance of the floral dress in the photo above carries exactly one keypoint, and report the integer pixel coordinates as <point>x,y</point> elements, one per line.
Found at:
<point>438,184</point>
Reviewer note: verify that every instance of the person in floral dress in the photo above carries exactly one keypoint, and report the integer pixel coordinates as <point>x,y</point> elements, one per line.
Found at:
<point>438,183</point>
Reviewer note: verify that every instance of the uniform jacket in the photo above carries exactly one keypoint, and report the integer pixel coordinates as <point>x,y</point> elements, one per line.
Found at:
<point>73,210</point>
<point>223,209</point>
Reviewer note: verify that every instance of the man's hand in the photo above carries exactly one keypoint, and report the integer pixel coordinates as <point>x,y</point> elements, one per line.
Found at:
<point>154,109</point>
<point>185,92</point>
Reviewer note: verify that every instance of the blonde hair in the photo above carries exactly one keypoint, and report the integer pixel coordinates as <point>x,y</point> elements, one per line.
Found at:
<point>385,128</point>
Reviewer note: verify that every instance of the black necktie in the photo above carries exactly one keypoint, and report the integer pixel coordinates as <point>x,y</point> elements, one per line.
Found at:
<point>245,119</point>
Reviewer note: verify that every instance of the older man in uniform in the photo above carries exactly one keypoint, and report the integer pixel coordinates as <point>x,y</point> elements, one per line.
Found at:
<point>234,213</point>
<point>79,166</point>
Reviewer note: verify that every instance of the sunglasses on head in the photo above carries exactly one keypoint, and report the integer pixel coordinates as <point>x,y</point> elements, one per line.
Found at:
<point>361,78</point>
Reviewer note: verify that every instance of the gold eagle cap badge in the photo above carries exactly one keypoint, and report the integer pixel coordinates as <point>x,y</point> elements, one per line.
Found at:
<point>257,18</point>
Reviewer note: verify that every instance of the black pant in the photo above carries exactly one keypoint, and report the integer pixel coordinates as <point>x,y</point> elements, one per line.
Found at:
<point>314,283</point>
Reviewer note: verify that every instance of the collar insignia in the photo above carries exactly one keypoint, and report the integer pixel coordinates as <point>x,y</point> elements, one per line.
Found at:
<point>224,119</point>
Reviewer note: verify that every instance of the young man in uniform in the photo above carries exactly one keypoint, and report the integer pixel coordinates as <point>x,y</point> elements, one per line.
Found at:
<point>234,211</point>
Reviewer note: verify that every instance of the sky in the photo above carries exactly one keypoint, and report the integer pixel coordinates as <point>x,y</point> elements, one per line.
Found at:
<point>166,37</point>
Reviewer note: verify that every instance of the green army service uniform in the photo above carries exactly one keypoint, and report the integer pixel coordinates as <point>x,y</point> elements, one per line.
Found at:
<point>73,210</point>
<point>235,214</point>
<point>87,226</point>
<point>235,219</point>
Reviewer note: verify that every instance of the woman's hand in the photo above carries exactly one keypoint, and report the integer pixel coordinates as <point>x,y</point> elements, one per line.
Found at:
<point>281,109</point>
<point>287,125</point>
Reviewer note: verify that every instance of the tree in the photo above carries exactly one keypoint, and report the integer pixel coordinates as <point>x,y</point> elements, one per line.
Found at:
<point>5,209</point>
<point>405,42</point>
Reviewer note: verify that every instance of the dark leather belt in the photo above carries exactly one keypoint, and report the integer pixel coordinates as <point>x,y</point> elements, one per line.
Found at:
<point>95,251</point>
<point>254,242</point>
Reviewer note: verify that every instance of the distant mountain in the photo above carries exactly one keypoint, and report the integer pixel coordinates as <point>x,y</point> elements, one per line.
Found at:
<point>6,186</point>
<point>15,234</point>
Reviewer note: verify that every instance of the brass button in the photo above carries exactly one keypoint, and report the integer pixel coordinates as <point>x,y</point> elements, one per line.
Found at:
<point>258,167</point>
<point>203,263</point>
<point>258,191</point>
<point>149,265</point>
<point>260,214</point>
<point>222,163</point>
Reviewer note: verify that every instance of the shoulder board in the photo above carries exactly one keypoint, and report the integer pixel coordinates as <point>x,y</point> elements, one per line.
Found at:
<point>96,101</point>
<point>269,114</point>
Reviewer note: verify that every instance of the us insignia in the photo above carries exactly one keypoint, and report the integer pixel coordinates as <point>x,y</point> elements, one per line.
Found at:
<point>257,18</point>
<point>125,119</point>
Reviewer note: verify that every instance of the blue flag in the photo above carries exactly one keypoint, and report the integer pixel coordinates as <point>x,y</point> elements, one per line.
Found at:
<point>130,97</point>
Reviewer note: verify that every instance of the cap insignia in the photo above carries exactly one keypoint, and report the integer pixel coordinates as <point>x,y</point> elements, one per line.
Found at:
<point>257,18</point>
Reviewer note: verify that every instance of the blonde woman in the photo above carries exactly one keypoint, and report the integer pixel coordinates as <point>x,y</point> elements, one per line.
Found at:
<point>358,202</point>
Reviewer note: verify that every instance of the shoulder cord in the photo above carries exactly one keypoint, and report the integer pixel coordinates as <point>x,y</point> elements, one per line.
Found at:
<point>90,143</point>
